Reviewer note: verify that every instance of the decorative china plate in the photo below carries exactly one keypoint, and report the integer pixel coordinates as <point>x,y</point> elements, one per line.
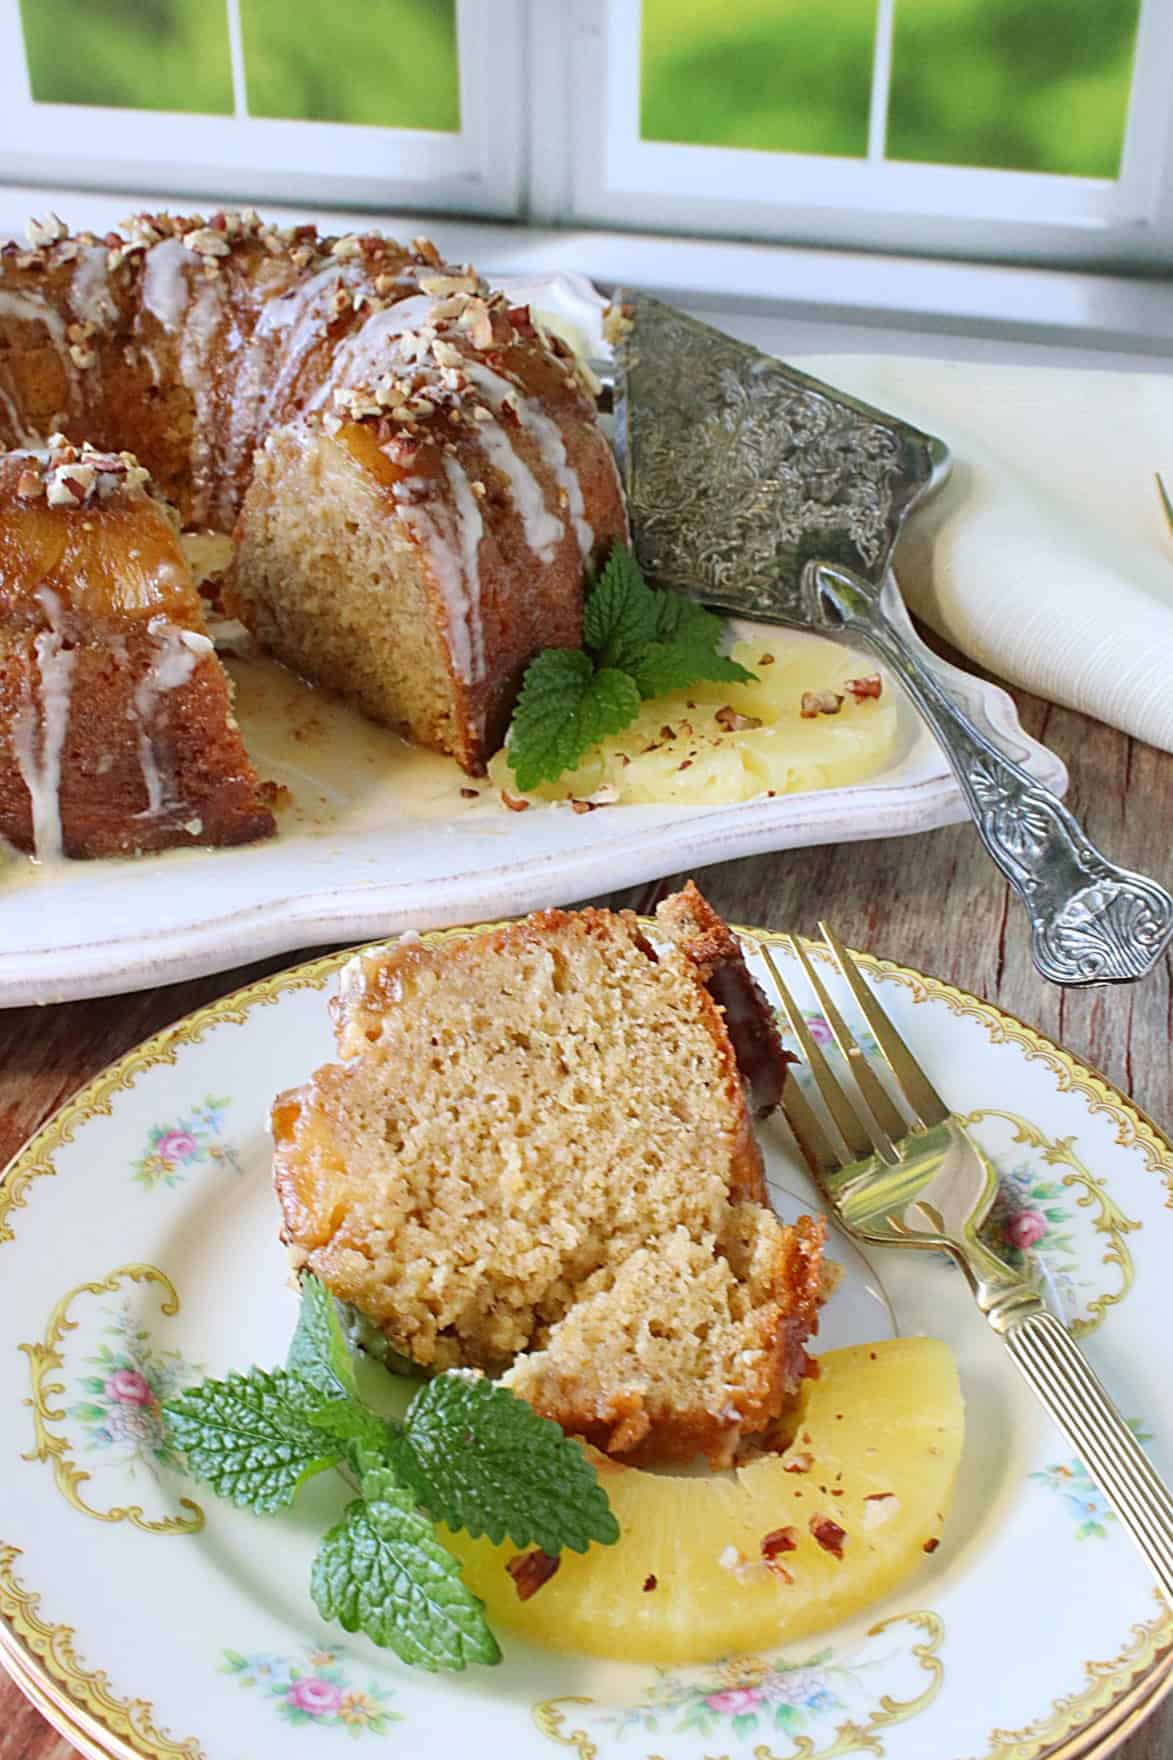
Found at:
<point>139,1251</point>
<point>375,838</point>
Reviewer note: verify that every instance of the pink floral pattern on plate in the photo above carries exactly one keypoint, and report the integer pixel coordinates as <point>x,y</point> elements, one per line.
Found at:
<point>742,1697</point>
<point>316,1689</point>
<point>119,1406</point>
<point>191,1141</point>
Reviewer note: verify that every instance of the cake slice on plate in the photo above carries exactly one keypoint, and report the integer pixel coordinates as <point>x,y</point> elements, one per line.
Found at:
<point>536,1157</point>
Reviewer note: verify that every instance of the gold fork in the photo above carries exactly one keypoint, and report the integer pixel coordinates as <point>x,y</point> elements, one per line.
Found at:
<point>925,1182</point>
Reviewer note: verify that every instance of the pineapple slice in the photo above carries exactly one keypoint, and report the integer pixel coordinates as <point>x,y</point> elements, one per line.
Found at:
<point>699,747</point>
<point>727,1562</point>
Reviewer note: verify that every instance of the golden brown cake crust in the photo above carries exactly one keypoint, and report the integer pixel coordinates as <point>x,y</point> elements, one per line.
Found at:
<point>627,1425</point>
<point>535,1152</point>
<point>116,728</point>
<point>707,940</point>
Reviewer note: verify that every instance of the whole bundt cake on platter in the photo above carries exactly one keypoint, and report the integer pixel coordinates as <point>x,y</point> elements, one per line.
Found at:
<point>411,467</point>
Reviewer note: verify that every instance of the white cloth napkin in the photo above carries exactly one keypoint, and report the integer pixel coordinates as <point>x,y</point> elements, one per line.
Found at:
<point>1046,556</point>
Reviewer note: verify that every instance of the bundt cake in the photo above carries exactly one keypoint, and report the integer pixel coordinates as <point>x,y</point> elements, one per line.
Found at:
<point>412,467</point>
<point>116,714</point>
<point>535,1156</point>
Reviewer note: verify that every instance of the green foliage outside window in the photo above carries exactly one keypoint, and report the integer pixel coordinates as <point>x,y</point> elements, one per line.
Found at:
<point>391,63</point>
<point>133,54</point>
<point>1029,85</point>
<point>1024,85</point>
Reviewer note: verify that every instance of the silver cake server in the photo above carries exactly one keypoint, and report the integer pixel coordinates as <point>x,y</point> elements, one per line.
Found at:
<point>769,495</point>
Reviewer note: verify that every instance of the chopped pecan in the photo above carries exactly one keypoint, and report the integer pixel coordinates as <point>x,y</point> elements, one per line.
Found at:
<point>779,1540</point>
<point>820,703</point>
<point>42,233</point>
<point>530,1570</point>
<point>206,242</point>
<point>733,722</point>
<point>828,1534</point>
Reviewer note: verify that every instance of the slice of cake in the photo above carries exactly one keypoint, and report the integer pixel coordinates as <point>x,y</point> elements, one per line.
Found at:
<point>116,725</point>
<point>536,1156</point>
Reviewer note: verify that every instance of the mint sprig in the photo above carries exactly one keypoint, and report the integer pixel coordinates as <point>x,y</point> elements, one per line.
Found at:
<point>638,642</point>
<point>468,1453</point>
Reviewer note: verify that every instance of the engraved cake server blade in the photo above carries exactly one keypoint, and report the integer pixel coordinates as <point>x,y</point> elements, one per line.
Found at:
<point>769,495</point>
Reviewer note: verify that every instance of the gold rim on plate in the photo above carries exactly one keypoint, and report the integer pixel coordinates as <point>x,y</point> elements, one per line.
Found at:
<point>1061,1733</point>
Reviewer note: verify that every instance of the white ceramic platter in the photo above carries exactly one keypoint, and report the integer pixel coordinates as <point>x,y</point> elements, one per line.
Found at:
<point>376,838</point>
<point>138,1250</point>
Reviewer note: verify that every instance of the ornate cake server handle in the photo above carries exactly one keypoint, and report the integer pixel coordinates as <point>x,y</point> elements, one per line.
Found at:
<point>1091,921</point>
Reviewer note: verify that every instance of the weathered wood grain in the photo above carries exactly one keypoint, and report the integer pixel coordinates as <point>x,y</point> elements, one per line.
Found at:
<point>932,901</point>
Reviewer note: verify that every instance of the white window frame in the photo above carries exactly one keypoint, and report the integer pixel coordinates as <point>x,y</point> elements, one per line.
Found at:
<point>533,146</point>
<point>598,171</point>
<point>243,158</point>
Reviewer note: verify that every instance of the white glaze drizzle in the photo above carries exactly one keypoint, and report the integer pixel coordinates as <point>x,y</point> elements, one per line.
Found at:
<point>90,299</point>
<point>195,369</point>
<point>167,295</point>
<point>34,309</point>
<point>470,528</point>
<point>21,436</point>
<point>364,356</point>
<point>178,652</point>
<point>303,314</point>
<point>450,534</point>
<point>543,529</point>
<point>39,729</point>
<point>548,437</point>
<point>165,282</point>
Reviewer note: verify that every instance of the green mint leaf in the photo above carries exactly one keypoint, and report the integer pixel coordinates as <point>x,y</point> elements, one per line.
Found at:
<point>565,707</point>
<point>250,1436</point>
<point>348,1420</point>
<point>318,1352</point>
<point>685,649</point>
<point>380,1570</point>
<point>682,620</point>
<point>620,617</point>
<point>481,1459</point>
<point>673,666</point>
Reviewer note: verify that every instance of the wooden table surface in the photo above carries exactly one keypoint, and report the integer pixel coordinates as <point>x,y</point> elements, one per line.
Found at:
<point>932,901</point>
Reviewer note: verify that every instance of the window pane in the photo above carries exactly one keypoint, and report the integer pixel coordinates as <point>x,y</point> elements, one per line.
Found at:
<point>791,76</point>
<point>1022,85</point>
<point>132,54</point>
<point>391,63</point>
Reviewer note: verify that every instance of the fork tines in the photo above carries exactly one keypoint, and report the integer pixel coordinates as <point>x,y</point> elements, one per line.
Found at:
<point>881,1127</point>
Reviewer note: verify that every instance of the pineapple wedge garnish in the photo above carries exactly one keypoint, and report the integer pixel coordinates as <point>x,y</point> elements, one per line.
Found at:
<point>717,743</point>
<point>784,1546</point>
